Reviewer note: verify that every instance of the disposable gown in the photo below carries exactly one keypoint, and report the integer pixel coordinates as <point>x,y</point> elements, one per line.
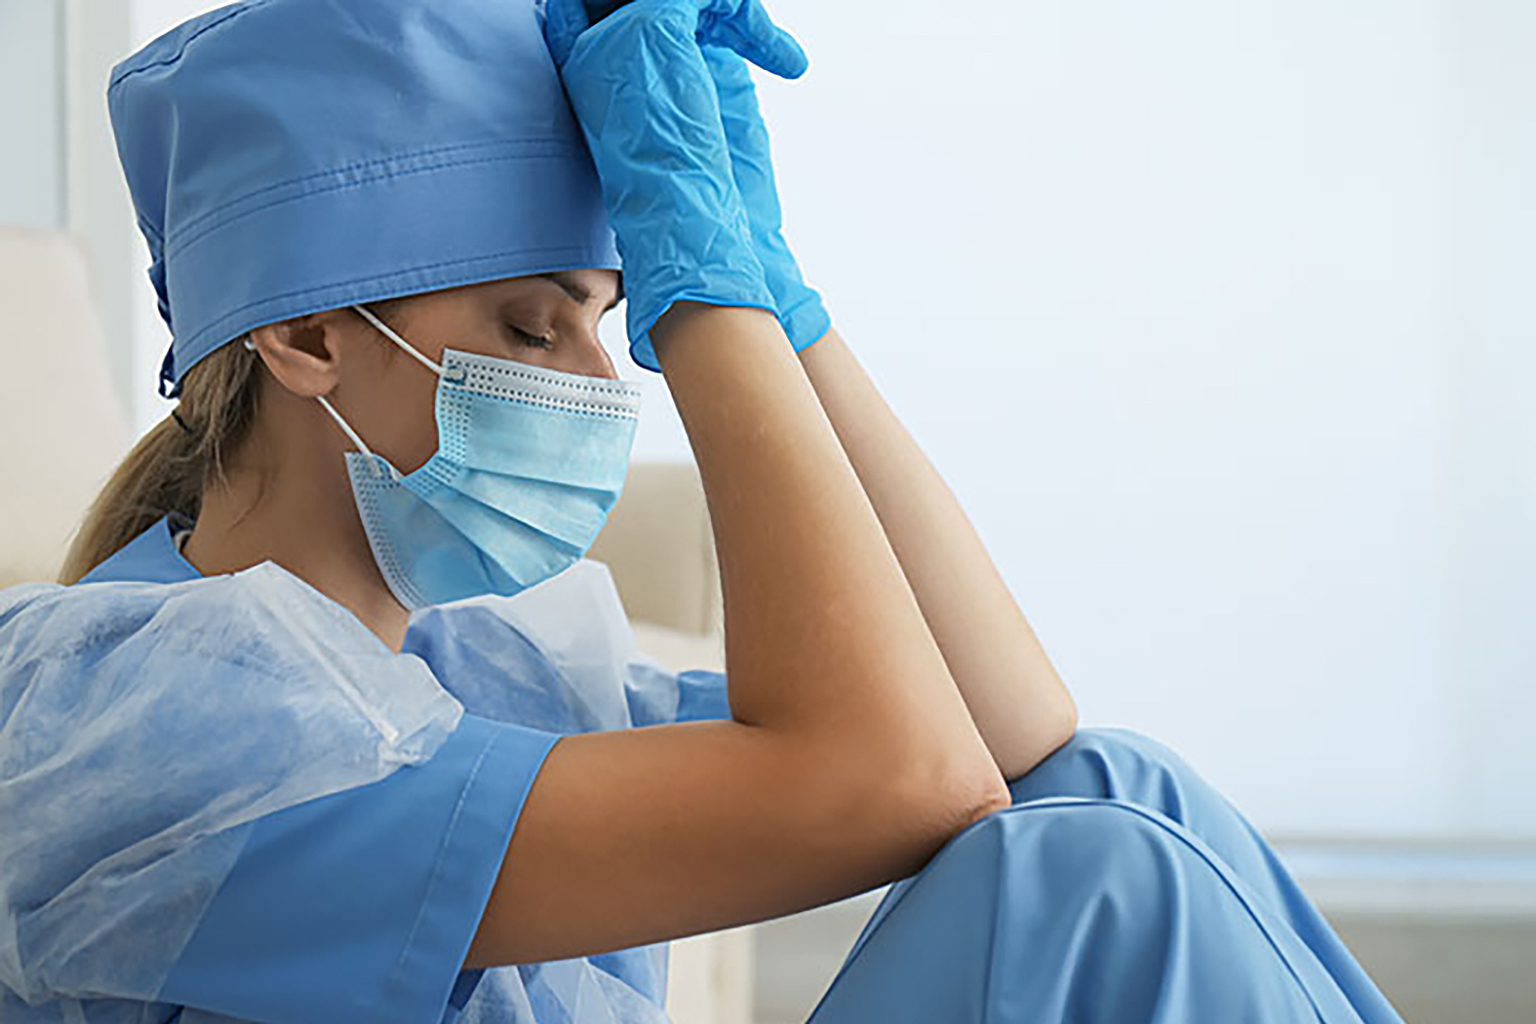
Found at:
<point>226,801</point>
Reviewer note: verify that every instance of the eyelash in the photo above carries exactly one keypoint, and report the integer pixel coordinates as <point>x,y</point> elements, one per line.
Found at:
<point>532,341</point>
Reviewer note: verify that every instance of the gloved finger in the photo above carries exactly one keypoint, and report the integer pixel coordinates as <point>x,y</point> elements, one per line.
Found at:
<point>726,66</point>
<point>747,28</point>
<point>564,20</point>
<point>739,109</point>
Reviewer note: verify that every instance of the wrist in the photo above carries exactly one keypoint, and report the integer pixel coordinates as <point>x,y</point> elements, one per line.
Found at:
<point>708,319</point>
<point>643,322</point>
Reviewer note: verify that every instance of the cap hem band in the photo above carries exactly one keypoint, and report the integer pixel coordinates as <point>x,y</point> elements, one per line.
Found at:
<point>427,228</point>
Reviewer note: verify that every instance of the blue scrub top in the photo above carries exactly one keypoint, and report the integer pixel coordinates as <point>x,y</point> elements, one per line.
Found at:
<point>361,905</point>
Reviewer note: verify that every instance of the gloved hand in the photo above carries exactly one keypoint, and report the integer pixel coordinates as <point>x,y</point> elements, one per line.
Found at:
<point>800,307</point>
<point>648,107</point>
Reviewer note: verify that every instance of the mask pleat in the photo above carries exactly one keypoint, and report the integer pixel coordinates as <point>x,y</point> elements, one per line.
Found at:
<point>529,463</point>
<point>518,439</point>
<point>563,511</point>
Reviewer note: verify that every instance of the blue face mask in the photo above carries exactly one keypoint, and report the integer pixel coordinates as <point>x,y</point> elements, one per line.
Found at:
<point>529,462</point>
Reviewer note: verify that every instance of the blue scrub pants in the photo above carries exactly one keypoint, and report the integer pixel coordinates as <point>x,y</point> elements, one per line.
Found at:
<point>1120,888</point>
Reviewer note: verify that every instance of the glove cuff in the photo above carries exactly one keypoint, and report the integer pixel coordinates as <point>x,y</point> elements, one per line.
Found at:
<point>718,286</point>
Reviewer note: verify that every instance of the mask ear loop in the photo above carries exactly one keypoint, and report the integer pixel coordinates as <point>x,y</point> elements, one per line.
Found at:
<point>392,336</point>
<point>384,328</point>
<point>367,314</point>
<point>351,434</point>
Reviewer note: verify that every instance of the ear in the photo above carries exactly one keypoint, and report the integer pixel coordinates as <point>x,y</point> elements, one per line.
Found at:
<point>303,353</point>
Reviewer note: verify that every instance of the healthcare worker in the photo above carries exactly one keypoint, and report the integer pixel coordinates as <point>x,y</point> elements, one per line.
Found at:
<point>335,723</point>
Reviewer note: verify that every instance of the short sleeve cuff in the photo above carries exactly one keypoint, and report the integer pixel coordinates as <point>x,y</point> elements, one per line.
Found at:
<point>429,971</point>
<point>362,905</point>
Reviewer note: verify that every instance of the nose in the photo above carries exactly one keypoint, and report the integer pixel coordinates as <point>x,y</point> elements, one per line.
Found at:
<point>591,358</point>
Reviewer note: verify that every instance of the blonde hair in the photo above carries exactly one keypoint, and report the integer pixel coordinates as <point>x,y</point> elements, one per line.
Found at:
<point>168,470</point>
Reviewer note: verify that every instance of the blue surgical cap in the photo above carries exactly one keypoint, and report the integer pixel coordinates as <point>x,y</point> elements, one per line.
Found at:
<point>291,156</point>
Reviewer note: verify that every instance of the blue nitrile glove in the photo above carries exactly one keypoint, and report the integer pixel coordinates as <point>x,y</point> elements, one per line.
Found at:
<point>646,102</point>
<point>800,307</point>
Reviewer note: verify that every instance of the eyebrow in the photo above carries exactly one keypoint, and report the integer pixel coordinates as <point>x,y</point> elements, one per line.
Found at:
<point>578,291</point>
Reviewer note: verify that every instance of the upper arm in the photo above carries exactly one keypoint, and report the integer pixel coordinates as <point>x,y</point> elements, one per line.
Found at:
<point>635,836</point>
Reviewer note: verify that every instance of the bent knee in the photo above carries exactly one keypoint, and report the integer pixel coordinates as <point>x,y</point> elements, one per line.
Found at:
<point>1101,830</point>
<point>1073,855</point>
<point>1131,740</point>
<point>1111,763</point>
<point>1095,836</point>
<point>1122,744</point>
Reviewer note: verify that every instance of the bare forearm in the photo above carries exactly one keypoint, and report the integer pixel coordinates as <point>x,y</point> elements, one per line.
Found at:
<point>1020,706</point>
<point>823,637</point>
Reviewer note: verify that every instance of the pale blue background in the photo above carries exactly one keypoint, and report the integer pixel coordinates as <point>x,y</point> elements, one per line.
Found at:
<point>1241,291</point>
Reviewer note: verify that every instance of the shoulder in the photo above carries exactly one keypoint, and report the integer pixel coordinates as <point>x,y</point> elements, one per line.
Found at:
<point>255,644</point>
<point>163,718</point>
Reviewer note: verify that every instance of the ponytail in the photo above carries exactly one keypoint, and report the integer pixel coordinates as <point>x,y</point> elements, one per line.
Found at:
<point>167,471</point>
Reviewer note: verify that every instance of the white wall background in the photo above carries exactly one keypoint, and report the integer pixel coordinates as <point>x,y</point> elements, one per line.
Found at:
<point>31,80</point>
<point>1218,319</point>
<point>1487,353</point>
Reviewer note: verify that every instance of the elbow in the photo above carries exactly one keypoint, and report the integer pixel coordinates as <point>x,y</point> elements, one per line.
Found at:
<point>995,797</point>
<point>1068,724</point>
<point>893,815</point>
<point>1051,734</point>
<point>941,804</point>
<point>965,804</point>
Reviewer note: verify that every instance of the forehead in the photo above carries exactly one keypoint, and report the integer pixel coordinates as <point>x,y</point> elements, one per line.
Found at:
<point>586,284</point>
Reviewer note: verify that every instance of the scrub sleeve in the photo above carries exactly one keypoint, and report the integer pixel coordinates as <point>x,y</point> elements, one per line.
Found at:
<point>1119,888</point>
<point>359,905</point>
<point>702,696</point>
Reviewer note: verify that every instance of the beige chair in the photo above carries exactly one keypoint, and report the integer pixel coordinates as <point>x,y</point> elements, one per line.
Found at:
<point>63,431</point>
<point>62,426</point>
<point>659,547</point>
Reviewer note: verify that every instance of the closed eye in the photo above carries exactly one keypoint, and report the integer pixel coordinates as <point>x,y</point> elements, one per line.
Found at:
<point>530,340</point>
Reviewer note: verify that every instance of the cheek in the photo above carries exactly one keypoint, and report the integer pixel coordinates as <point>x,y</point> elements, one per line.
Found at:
<point>419,427</point>
<point>400,406</point>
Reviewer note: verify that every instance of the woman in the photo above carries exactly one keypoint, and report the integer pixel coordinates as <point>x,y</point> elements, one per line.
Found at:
<point>299,745</point>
